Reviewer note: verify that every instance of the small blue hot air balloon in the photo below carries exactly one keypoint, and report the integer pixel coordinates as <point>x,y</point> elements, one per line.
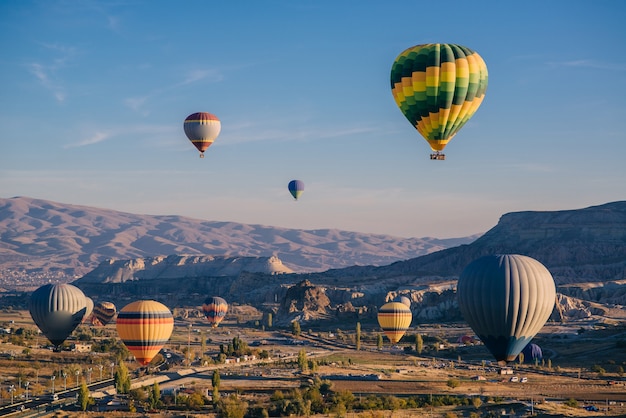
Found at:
<point>296,187</point>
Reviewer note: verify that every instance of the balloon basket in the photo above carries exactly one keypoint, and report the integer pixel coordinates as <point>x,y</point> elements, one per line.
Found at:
<point>437,156</point>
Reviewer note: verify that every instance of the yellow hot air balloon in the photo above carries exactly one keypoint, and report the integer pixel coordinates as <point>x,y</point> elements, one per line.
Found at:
<point>145,326</point>
<point>438,88</point>
<point>394,318</point>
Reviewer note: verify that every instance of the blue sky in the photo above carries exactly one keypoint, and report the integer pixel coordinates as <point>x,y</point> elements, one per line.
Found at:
<point>94,95</point>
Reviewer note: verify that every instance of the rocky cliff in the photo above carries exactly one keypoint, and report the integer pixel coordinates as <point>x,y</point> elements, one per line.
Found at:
<point>181,266</point>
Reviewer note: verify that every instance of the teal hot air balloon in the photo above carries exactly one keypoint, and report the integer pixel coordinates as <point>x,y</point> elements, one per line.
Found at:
<point>506,299</point>
<point>57,309</point>
<point>296,187</point>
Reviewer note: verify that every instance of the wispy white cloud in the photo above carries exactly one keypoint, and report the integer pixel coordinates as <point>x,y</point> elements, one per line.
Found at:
<point>139,103</point>
<point>44,75</point>
<point>119,131</point>
<point>47,73</point>
<point>135,102</point>
<point>94,139</point>
<point>212,75</point>
<point>587,63</point>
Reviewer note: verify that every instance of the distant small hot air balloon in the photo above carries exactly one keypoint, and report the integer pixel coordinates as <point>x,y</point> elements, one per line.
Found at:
<point>296,187</point>
<point>144,327</point>
<point>202,128</point>
<point>104,312</point>
<point>438,88</point>
<point>215,309</point>
<point>403,299</point>
<point>57,309</point>
<point>394,318</point>
<point>506,299</point>
<point>532,353</point>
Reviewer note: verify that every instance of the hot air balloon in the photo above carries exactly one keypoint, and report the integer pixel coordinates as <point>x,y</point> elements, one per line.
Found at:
<point>57,309</point>
<point>394,318</point>
<point>104,312</point>
<point>403,299</point>
<point>89,305</point>
<point>296,187</point>
<point>144,327</point>
<point>532,353</point>
<point>438,88</point>
<point>506,299</point>
<point>202,128</point>
<point>215,309</point>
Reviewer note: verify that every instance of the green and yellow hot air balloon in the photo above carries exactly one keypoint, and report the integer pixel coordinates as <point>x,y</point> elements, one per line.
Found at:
<point>394,318</point>
<point>438,88</point>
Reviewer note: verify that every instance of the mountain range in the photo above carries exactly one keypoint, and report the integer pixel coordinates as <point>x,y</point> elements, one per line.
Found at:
<point>319,274</point>
<point>49,240</point>
<point>584,249</point>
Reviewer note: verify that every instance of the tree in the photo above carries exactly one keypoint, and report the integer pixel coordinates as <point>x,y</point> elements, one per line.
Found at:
<point>203,342</point>
<point>232,407</point>
<point>154,398</point>
<point>303,363</point>
<point>84,400</point>
<point>215,380</point>
<point>122,378</point>
<point>453,383</point>
<point>379,341</point>
<point>358,335</point>
<point>419,343</point>
<point>295,328</point>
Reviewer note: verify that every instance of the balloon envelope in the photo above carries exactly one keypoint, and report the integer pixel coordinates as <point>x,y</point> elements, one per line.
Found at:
<point>89,305</point>
<point>145,326</point>
<point>215,309</point>
<point>202,128</point>
<point>57,309</point>
<point>532,352</point>
<point>394,318</point>
<point>438,88</point>
<point>403,299</point>
<point>296,187</point>
<point>506,299</point>
<point>104,312</point>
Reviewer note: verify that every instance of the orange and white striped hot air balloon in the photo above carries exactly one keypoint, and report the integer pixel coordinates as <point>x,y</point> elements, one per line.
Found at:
<point>202,128</point>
